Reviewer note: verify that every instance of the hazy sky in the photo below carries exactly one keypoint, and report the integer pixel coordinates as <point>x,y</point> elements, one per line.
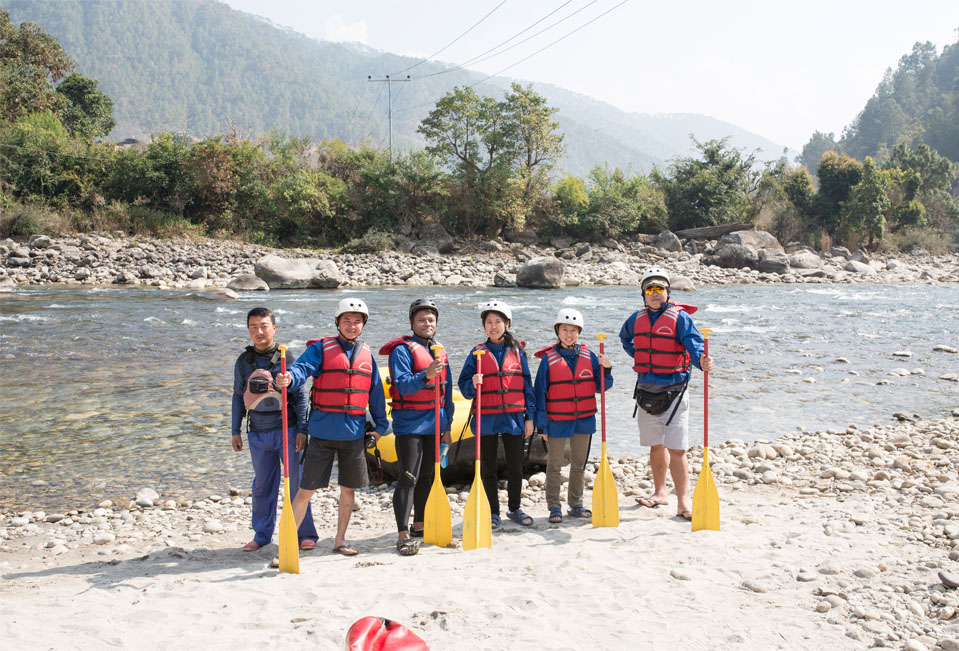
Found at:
<point>782,70</point>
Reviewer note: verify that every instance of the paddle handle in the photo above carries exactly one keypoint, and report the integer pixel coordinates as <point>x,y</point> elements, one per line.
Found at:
<point>479,402</point>
<point>602,389</point>
<point>436,413</point>
<point>706,391</point>
<point>286,446</point>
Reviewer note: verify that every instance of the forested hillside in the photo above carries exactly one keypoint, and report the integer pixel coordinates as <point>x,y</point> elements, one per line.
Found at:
<point>200,67</point>
<point>918,103</point>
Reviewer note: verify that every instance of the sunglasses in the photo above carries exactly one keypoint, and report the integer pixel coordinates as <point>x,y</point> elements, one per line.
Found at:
<point>655,290</point>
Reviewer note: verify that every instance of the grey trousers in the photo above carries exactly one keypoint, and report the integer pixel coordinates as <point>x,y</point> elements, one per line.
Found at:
<point>579,448</point>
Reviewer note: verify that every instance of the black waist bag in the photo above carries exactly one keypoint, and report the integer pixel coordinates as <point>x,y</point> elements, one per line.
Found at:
<point>655,403</point>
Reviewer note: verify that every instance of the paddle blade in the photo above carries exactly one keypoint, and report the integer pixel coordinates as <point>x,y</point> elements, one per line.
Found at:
<point>289,545</point>
<point>477,528</point>
<point>438,523</point>
<point>605,496</point>
<point>706,499</point>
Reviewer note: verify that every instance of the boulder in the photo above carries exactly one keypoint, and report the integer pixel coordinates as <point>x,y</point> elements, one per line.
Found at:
<point>859,267</point>
<point>712,232</point>
<point>298,273</point>
<point>839,252</point>
<point>668,241</point>
<point>248,283</point>
<point>582,249</point>
<point>433,233</point>
<point>526,236</point>
<point>859,256</point>
<point>772,261</point>
<point>805,259</point>
<point>422,250</point>
<point>735,256</point>
<point>681,283</point>
<point>560,242</point>
<point>754,239</point>
<point>544,272</point>
<point>501,279</point>
<point>40,242</point>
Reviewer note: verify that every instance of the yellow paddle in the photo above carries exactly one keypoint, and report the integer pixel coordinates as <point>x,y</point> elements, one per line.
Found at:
<point>438,522</point>
<point>289,545</point>
<point>477,525</point>
<point>705,497</point>
<point>605,495</point>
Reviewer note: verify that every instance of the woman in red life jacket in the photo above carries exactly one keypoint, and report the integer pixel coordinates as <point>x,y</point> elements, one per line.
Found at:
<point>507,406</point>
<point>664,344</point>
<point>566,385</point>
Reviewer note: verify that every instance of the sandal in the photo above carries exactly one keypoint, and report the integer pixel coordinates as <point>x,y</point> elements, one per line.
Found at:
<point>408,547</point>
<point>416,533</point>
<point>650,502</point>
<point>520,518</point>
<point>345,549</point>
<point>579,511</point>
<point>494,521</point>
<point>555,515</point>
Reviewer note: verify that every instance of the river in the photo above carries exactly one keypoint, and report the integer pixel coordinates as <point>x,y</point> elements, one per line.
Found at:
<point>106,390</point>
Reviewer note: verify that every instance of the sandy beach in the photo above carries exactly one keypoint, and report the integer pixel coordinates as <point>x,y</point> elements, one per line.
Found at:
<point>835,539</point>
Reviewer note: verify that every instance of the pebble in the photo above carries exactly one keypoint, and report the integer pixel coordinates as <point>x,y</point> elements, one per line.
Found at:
<point>212,526</point>
<point>823,607</point>
<point>103,538</point>
<point>754,586</point>
<point>680,575</point>
<point>830,568</point>
<point>949,579</point>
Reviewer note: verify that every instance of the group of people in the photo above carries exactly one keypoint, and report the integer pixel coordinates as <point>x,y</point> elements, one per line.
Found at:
<point>335,383</point>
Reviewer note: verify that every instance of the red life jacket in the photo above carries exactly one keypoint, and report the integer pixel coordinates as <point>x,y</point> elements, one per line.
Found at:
<point>656,348</point>
<point>502,389</point>
<point>571,394</point>
<point>425,398</point>
<point>342,386</point>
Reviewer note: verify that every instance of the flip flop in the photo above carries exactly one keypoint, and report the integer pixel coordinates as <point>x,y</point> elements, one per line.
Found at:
<point>346,550</point>
<point>685,515</point>
<point>408,547</point>
<point>649,502</point>
<point>275,563</point>
<point>520,518</point>
<point>555,515</point>
<point>579,512</point>
<point>307,545</point>
<point>251,546</point>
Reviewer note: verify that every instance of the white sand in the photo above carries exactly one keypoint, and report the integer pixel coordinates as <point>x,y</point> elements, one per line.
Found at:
<point>650,583</point>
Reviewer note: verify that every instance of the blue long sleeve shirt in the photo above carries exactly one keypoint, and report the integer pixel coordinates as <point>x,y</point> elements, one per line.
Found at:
<point>686,334</point>
<point>297,401</point>
<point>506,422</point>
<point>417,421</point>
<point>566,428</point>
<point>338,426</point>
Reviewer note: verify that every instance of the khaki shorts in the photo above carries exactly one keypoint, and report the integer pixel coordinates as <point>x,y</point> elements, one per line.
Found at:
<point>318,464</point>
<point>654,431</point>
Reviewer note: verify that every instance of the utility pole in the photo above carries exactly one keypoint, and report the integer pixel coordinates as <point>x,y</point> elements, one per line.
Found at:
<point>389,84</point>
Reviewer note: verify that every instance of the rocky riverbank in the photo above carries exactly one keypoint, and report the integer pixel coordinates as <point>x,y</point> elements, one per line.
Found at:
<point>840,539</point>
<point>735,258</point>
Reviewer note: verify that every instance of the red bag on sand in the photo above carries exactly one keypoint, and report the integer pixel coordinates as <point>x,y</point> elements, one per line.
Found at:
<point>379,634</point>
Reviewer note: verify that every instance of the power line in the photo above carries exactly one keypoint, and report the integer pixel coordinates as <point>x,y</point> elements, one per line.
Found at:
<point>451,42</point>
<point>477,58</point>
<point>370,115</point>
<point>550,45</point>
<point>349,123</point>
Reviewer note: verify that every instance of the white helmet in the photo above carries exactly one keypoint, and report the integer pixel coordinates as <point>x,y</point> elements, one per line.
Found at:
<point>654,273</point>
<point>496,306</point>
<point>569,316</point>
<point>351,305</point>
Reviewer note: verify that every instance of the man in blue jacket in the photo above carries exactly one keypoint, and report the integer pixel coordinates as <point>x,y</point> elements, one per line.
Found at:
<point>261,405</point>
<point>414,369</point>
<point>346,383</point>
<point>664,343</point>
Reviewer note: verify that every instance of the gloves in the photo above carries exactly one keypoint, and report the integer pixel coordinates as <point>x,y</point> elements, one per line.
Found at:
<point>444,455</point>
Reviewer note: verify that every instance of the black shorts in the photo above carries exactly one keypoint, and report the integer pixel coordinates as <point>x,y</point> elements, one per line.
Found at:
<point>318,465</point>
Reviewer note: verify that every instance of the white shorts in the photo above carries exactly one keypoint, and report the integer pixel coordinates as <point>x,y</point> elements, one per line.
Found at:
<point>654,431</point>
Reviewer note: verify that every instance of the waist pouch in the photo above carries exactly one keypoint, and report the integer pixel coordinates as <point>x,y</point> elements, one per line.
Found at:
<point>655,403</point>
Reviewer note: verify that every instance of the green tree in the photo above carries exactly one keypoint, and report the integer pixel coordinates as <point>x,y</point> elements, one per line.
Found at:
<point>813,150</point>
<point>87,113</point>
<point>708,191</point>
<point>838,174</point>
<point>539,144</point>
<point>868,202</point>
<point>31,61</point>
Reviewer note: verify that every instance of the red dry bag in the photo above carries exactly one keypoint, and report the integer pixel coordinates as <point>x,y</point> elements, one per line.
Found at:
<point>379,634</point>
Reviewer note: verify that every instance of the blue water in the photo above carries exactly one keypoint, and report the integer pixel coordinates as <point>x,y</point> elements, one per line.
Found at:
<point>106,390</point>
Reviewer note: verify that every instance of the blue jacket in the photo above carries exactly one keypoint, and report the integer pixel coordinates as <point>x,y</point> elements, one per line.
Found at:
<point>565,429</point>
<point>505,423</point>
<point>297,401</point>
<point>338,426</point>
<point>686,334</point>
<point>417,421</point>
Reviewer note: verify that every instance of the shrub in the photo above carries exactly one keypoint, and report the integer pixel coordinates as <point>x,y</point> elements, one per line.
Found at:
<point>373,241</point>
<point>26,219</point>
